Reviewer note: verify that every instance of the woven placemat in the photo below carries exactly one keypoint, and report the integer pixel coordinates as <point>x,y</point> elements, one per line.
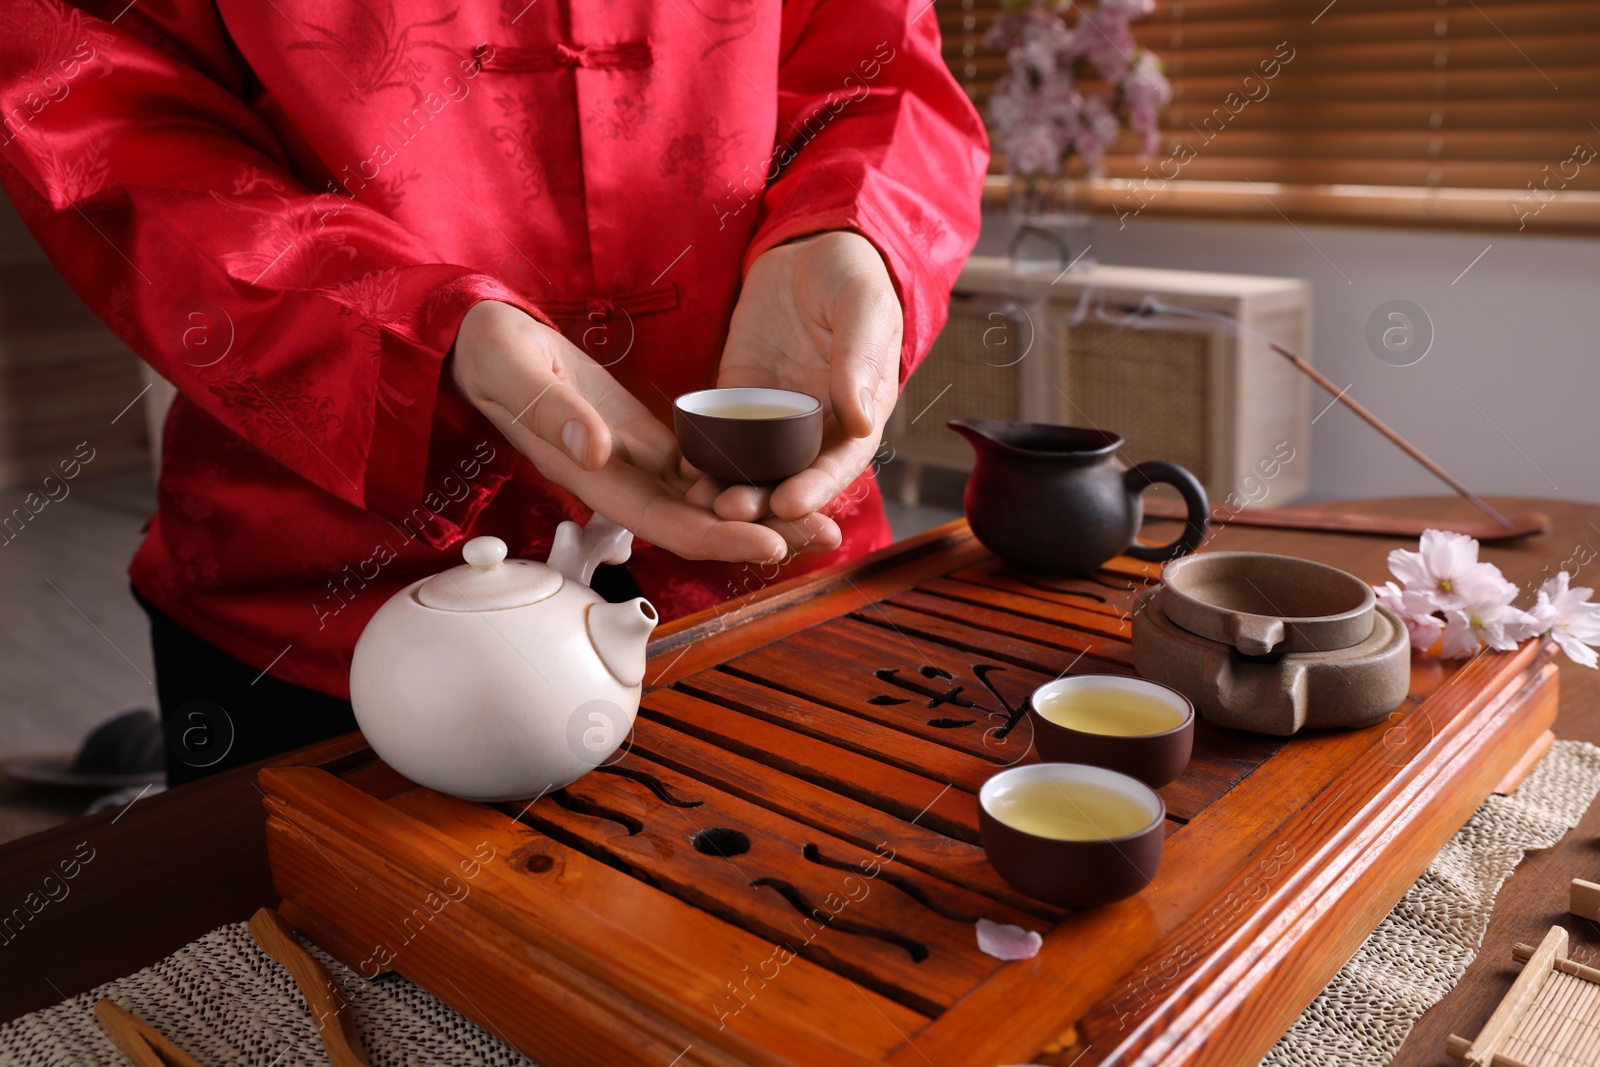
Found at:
<point>1422,949</point>
<point>224,1001</point>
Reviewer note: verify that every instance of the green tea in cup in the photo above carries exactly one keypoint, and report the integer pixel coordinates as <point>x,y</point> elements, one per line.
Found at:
<point>1069,810</point>
<point>1101,709</point>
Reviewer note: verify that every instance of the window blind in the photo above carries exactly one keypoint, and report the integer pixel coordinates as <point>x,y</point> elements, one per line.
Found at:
<point>1470,112</point>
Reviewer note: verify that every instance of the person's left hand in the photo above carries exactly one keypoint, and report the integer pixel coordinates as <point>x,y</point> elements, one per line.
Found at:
<point>820,316</point>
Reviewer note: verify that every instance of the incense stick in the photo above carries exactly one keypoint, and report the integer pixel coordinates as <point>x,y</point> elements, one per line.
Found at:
<point>1378,424</point>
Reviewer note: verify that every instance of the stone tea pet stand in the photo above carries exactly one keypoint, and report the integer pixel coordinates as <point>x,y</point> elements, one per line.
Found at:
<point>1272,644</point>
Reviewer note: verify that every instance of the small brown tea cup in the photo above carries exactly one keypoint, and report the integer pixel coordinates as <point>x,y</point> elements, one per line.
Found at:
<point>1150,739</point>
<point>1071,872</point>
<point>748,436</point>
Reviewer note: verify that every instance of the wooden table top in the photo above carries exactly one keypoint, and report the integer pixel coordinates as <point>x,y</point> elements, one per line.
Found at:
<point>178,864</point>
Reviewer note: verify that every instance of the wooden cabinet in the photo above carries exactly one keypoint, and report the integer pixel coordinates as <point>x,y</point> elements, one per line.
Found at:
<point>1174,361</point>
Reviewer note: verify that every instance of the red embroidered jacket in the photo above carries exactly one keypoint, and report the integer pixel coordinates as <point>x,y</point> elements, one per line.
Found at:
<point>287,207</point>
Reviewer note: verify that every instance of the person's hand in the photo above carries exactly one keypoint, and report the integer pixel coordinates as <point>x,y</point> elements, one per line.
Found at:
<point>820,316</point>
<point>586,433</point>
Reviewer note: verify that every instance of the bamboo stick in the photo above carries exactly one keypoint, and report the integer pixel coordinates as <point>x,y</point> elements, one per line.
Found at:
<point>141,1043</point>
<point>322,995</point>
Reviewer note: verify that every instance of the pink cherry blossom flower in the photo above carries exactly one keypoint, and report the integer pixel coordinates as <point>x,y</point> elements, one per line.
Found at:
<point>1446,569</point>
<point>1449,595</point>
<point>1042,44</point>
<point>1102,38</point>
<point>1416,610</point>
<point>1146,91</point>
<point>1563,613</point>
<point>1038,115</point>
<point>1034,125</point>
<point>1098,132</point>
<point>1035,149</point>
<point>1500,626</point>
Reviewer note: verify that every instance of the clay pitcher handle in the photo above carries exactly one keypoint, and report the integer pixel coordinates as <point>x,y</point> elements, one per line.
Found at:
<point>1137,479</point>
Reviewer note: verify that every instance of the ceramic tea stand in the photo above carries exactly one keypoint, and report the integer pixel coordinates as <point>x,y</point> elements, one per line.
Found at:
<point>1329,657</point>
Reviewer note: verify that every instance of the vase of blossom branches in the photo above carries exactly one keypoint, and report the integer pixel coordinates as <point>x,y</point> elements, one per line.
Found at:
<point>1066,93</point>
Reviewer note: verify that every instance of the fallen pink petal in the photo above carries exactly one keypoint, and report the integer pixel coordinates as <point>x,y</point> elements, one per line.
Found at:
<point>1004,941</point>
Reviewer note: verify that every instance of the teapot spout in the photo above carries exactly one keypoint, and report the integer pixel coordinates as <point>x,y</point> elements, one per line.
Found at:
<point>619,633</point>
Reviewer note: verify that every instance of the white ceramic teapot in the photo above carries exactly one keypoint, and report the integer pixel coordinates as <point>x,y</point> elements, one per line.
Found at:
<point>504,679</point>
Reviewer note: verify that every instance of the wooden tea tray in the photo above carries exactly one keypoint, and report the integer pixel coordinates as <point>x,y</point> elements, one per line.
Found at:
<point>784,869</point>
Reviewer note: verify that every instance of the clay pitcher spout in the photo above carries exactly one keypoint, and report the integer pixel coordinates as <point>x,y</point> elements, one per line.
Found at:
<point>1044,444</point>
<point>976,431</point>
<point>619,633</point>
<point>986,436</point>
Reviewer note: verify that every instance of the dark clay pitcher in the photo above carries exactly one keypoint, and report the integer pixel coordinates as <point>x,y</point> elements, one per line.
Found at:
<point>1057,499</point>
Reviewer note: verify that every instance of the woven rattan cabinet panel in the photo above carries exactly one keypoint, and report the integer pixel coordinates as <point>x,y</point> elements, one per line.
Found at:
<point>1191,381</point>
<point>1151,387</point>
<point>976,364</point>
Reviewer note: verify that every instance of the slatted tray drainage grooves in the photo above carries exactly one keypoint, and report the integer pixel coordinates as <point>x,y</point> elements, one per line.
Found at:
<point>861,912</point>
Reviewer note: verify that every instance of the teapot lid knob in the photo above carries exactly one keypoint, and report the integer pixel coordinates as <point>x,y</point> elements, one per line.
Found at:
<point>484,553</point>
<point>488,581</point>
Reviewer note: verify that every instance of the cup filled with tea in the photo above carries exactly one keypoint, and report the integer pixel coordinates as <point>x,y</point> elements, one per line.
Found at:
<point>748,436</point>
<point>1071,835</point>
<point>1138,727</point>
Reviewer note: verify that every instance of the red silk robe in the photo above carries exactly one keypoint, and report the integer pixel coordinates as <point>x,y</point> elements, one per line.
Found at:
<point>286,208</point>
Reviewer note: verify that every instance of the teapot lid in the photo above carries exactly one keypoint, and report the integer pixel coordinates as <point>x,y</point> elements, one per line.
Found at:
<point>488,581</point>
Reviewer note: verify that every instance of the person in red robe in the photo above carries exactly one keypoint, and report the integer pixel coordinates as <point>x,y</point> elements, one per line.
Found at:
<point>429,269</point>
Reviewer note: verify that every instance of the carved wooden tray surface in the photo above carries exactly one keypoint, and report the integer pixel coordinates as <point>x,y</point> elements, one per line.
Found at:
<point>783,868</point>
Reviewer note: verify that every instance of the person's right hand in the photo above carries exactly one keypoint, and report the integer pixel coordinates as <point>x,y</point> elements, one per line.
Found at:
<point>589,435</point>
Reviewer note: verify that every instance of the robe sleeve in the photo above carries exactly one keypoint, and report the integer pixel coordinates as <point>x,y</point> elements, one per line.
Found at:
<point>874,135</point>
<point>311,326</point>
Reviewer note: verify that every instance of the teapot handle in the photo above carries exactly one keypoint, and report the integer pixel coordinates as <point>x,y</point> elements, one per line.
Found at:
<point>578,550</point>
<point>1137,479</point>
